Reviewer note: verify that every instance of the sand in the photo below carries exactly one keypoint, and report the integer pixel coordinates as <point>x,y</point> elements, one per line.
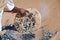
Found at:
<point>50,12</point>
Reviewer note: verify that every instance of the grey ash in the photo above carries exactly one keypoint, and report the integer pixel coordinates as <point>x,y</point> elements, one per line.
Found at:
<point>28,36</point>
<point>46,35</point>
<point>8,35</point>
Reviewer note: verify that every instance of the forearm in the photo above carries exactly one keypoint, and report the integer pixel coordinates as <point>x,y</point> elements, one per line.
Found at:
<point>6,9</point>
<point>22,11</point>
<point>15,9</point>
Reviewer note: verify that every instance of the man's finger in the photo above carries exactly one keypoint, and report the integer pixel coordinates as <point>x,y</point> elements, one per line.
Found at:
<point>26,11</point>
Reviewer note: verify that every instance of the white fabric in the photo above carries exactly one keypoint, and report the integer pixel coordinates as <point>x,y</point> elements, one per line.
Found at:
<point>1,12</point>
<point>10,6</point>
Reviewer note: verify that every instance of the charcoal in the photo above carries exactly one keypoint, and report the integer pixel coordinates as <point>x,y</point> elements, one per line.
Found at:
<point>0,38</point>
<point>28,36</point>
<point>9,27</point>
<point>46,35</point>
<point>8,35</point>
<point>30,15</point>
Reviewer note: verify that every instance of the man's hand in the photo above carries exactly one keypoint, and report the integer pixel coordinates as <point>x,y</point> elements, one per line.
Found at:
<point>23,11</point>
<point>17,10</point>
<point>20,10</point>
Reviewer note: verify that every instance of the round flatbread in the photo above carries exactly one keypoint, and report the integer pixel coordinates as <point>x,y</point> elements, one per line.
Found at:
<point>25,24</point>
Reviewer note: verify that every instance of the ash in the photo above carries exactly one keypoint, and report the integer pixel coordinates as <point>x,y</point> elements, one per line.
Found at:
<point>9,34</point>
<point>46,35</point>
<point>9,27</point>
<point>28,36</point>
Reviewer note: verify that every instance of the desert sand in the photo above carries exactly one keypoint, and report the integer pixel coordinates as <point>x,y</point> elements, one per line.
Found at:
<point>50,14</point>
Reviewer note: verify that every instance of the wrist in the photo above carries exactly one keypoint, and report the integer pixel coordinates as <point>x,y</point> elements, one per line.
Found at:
<point>15,10</point>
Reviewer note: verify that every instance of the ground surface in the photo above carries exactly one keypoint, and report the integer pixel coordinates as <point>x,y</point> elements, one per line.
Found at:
<point>50,12</point>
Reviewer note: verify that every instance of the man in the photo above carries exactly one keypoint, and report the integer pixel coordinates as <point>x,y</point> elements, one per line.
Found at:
<point>8,6</point>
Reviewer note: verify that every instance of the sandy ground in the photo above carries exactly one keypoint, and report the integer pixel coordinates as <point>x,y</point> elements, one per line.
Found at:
<point>50,12</point>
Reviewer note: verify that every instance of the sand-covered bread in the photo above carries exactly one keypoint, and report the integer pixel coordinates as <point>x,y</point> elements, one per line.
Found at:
<point>29,23</point>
